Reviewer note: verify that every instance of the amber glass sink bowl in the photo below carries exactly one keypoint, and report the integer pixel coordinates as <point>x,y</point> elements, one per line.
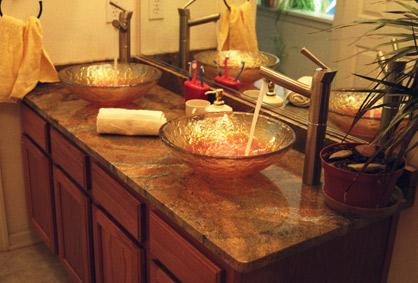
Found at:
<point>253,61</point>
<point>343,106</point>
<point>213,144</point>
<point>104,85</point>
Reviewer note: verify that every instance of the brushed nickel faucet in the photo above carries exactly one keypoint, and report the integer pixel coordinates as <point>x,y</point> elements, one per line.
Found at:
<point>184,31</point>
<point>319,93</point>
<point>123,24</point>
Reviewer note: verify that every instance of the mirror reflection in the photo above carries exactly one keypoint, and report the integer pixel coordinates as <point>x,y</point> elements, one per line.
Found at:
<point>231,39</point>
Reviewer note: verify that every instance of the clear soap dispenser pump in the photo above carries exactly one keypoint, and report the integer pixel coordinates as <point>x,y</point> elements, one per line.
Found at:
<point>219,105</point>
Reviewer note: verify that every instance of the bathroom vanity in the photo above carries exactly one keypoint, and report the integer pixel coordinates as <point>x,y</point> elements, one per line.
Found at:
<point>122,209</point>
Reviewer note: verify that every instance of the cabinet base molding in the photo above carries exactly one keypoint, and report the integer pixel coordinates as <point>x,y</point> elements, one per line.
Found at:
<point>23,239</point>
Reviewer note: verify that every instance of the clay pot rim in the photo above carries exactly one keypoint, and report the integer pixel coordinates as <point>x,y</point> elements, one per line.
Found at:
<point>341,170</point>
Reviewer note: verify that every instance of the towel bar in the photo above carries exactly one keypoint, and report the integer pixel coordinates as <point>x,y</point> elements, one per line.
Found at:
<point>227,5</point>
<point>39,14</point>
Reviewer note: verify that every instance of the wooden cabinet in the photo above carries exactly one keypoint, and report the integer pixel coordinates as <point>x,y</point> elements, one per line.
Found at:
<point>39,193</point>
<point>183,260</point>
<point>35,127</point>
<point>111,234</point>
<point>72,214</point>
<point>159,275</point>
<point>116,200</point>
<point>69,158</point>
<point>117,258</point>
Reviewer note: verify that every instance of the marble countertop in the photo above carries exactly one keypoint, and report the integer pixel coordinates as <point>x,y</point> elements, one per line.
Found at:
<point>247,222</point>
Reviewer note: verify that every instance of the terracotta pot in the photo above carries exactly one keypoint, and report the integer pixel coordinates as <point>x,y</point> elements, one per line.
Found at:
<point>367,190</point>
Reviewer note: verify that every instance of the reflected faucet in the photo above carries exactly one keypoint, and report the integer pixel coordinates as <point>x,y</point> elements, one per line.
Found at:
<point>184,33</point>
<point>123,24</point>
<point>319,93</point>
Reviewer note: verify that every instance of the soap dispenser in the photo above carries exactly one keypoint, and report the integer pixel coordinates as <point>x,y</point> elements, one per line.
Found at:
<point>219,105</point>
<point>271,97</point>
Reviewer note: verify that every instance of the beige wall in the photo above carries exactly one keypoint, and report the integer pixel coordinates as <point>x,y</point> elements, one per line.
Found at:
<point>17,226</point>
<point>161,36</point>
<point>76,30</point>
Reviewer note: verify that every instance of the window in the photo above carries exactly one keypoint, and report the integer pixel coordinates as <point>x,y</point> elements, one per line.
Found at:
<point>319,8</point>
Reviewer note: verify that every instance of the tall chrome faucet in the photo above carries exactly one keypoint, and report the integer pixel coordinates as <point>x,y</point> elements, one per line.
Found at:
<point>123,24</point>
<point>184,33</point>
<point>318,112</point>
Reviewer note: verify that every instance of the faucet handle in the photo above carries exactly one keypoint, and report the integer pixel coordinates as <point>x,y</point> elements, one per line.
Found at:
<point>305,51</point>
<point>117,6</point>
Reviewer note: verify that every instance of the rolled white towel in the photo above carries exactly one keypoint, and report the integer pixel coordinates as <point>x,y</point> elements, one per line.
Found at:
<point>297,99</point>
<point>129,122</point>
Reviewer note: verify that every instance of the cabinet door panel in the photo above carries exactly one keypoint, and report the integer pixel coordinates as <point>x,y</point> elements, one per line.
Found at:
<point>158,275</point>
<point>39,193</point>
<point>72,208</point>
<point>117,258</point>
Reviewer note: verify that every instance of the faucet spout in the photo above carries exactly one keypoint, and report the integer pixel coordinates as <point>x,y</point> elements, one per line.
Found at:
<point>204,20</point>
<point>184,32</point>
<point>319,93</point>
<point>285,81</point>
<point>123,24</point>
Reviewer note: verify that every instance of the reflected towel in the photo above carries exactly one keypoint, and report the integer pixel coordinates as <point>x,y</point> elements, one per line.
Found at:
<point>23,61</point>
<point>237,29</point>
<point>129,122</point>
<point>298,99</point>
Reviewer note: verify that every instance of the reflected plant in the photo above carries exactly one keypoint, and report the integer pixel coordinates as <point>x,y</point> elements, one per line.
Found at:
<point>395,140</point>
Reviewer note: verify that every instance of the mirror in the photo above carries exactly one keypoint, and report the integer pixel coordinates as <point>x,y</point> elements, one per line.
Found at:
<point>279,33</point>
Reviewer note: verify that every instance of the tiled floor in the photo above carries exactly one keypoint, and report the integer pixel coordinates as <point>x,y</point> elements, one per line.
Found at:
<point>34,264</point>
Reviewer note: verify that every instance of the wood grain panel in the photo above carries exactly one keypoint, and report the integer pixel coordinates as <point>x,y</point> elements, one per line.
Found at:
<point>114,198</point>
<point>69,158</point>
<point>35,127</point>
<point>182,259</point>
<point>39,193</point>
<point>158,275</point>
<point>358,256</point>
<point>72,213</point>
<point>117,258</point>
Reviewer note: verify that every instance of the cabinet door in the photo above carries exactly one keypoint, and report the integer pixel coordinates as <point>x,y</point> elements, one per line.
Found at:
<point>39,193</point>
<point>72,213</point>
<point>158,275</point>
<point>117,258</point>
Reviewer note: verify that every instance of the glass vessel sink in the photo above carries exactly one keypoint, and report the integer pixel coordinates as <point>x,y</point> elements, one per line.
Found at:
<point>104,85</point>
<point>253,61</point>
<point>213,144</point>
<point>343,106</point>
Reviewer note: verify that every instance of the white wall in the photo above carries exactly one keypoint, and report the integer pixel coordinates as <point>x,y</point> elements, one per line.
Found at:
<point>161,36</point>
<point>17,226</point>
<point>294,30</point>
<point>76,30</point>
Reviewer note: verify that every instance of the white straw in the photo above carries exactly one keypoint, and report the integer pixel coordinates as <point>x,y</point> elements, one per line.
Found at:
<point>263,91</point>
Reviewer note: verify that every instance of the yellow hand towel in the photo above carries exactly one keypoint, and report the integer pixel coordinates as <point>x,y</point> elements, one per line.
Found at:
<point>23,61</point>
<point>237,29</point>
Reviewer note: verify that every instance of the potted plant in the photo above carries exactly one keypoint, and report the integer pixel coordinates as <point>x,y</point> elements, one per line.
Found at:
<point>364,175</point>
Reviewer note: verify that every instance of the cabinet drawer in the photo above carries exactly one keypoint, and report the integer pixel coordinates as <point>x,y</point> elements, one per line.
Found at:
<point>35,127</point>
<point>114,198</point>
<point>69,158</point>
<point>182,259</point>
